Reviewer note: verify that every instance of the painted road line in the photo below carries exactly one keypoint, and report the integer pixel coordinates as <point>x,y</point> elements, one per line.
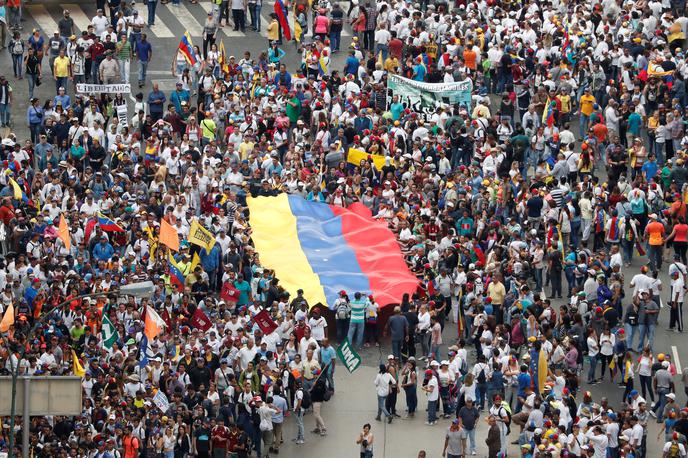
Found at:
<point>159,30</point>
<point>44,20</point>
<point>184,16</point>
<point>677,362</point>
<point>81,21</point>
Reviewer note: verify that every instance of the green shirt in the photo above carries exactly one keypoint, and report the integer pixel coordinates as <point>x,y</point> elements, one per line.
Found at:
<point>358,308</point>
<point>293,113</point>
<point>124,50</point>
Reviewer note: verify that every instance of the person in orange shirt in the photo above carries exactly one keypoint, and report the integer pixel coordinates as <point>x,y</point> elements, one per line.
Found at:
<point>654,234</point>
<point>470,57</point>
<point>130,443</point>
<point>600,131</point>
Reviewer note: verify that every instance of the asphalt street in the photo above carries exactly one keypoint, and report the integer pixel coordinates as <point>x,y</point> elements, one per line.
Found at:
<point>170,23</point>
<point>354,402</point>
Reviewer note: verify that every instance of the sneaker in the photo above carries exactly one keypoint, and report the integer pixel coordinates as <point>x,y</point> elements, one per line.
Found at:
<point>316,431</point>
<point>389,419</point>
<point>377,418</point>
<point>654,415</point>
<point>473,453</point>
<point>434,423</point>
<point>300,441</point>
<point>428,423</point>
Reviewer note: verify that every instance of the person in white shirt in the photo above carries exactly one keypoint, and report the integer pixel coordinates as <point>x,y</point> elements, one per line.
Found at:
<point>432,390</point>
<point>382,382</point>
<point>676,302</point>
<point>318,326</point>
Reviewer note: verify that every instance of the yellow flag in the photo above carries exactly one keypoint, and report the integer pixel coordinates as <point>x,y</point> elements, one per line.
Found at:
<point>7,319</point>
<point>63,233</point>
<point>77,368</point>
<point>298,30</point>
<point>198,235</point>
<point>18,193</point>
<point>355,156</point>
<point>222,57</point>
<point>196,260</point>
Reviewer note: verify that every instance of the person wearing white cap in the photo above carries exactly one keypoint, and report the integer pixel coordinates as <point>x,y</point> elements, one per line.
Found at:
<point>654,234</point>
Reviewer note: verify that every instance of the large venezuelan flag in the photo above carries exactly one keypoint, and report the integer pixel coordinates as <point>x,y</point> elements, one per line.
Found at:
<point>324,249</point>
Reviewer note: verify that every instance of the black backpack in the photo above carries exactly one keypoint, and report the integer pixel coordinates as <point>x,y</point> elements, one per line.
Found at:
<point>306,402</point>
<point>481,376</point>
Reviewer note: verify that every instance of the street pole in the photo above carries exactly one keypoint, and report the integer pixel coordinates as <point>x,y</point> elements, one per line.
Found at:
<point>26,429</point>
<point>142,289</point>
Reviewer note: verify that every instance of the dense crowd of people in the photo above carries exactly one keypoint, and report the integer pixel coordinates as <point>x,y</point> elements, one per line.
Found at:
<point>569,163</point>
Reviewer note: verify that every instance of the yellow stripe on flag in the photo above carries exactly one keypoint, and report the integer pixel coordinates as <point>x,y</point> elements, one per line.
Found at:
<point>276,239</point>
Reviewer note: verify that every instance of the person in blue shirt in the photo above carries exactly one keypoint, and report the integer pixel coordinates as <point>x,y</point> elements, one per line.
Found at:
<point>156,102</point>
<point>103,251</point>
<point>144,53</point>
<point>32,291</point>
<point>524,381</point>
<point>244,290</point>
<point>283,78</point>
<point>650,167</point>
<point>62,99</point>
<point>34,118</point>
<point>275,54</point>
<point>178,96</point>
<point>351,65</point>
<point>396,108</point>
<point>635,122</point>
<point>328,359</point>
<point>211,262</point>
<point>419,70</point>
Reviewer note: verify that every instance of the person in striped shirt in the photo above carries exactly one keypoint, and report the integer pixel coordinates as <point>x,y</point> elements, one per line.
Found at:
<point>357,322</point>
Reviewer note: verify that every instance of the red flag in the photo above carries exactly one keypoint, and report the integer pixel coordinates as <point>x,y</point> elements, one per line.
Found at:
<point>229,293</point>
<point>199,320</point>
<point>281,12</point>
<point>264,322</point>
<point>88,229</point>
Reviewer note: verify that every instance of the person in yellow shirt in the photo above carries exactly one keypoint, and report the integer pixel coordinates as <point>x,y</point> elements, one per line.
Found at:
<point>391,64</point>
<point>208,128</point>
<point>246,147</point>
<point>565,102</point>
<point>273,29</point>
<point>62,70</point>
<point>587,102</point>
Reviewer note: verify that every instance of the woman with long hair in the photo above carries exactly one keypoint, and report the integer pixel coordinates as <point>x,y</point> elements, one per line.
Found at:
<point>409,382</point>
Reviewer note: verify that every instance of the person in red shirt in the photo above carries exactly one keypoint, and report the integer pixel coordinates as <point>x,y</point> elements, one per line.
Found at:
<point>220,437</point>
<point>6,211</point>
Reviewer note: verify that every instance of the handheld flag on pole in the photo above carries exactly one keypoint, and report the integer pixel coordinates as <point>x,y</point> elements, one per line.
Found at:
<point>169,235</point>
<point>198,235</point>
<point>152,328</point>
<point>108,333</point>
<point>186,48</point>
<point>542,371</point>
<point>77,368</point>
<point>108,225</point>
<point>7,319</point>
<point>63,233</point>
<point>281,12</point>
<point>195,260</point>
<point>222,57</point>
<point>176,276</point>
<point>298,30</point>
<point>18,192</point>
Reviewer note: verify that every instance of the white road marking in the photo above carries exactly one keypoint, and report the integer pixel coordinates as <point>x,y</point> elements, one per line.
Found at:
<point>183,15</point>
<point>160,30</point>
<point>677,362</point>
<point>81,21</point>
<point>42,18</point>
